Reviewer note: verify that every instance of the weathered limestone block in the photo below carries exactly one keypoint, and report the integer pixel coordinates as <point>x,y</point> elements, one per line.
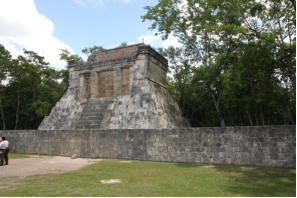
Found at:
<point>121,88</point>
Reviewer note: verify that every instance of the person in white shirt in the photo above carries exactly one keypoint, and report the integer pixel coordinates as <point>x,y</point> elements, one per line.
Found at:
<point>4,149</point>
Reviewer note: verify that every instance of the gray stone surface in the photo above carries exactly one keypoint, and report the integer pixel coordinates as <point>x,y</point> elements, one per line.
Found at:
<point>258,145</point>
<point>122,88</point>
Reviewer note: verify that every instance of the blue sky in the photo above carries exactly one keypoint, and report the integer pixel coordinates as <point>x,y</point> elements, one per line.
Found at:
<point>46,26</point>
<point>108,23</point>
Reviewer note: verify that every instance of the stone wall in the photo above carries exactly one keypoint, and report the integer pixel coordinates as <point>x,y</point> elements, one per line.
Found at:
<point>117,53</point>
<point>265,145</point>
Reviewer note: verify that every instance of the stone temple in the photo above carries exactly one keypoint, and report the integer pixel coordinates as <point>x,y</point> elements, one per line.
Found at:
<point>121,88</point>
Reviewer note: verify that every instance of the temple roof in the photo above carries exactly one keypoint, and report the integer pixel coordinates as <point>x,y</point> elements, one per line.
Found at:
<point>120,54</point>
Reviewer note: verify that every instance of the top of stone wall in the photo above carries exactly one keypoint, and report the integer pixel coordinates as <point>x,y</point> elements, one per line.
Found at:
<point>131,51</point>
<point>117,53</point>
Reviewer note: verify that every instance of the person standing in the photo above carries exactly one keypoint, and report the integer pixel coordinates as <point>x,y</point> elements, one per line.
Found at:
<point>1,155</point>
<point>5,149</point>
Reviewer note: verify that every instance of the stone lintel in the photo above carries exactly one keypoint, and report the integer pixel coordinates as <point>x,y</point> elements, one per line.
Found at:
<point>128,61</point>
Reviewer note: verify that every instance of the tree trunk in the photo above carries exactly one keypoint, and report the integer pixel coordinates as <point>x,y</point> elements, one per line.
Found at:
<point>34,96</point>
<point>256,117</point>
<point>17,113</point>
<point>290,115</point>
<point>262,116</point>
<point>217,105</point>
<point>2,115</point>
<point>250,119</point>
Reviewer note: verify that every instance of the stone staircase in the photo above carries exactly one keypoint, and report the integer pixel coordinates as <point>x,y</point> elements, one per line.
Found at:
<point>93,114</point>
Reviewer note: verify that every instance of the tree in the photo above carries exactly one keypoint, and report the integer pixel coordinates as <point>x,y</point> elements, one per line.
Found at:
<point>29,89</point>
<point>67,56</point>
<point>123,44</point>
<point>92,50</point>
<point>25,80</point>
<point>5,63</point>
<point>241,54</point>
<point>180,68</point>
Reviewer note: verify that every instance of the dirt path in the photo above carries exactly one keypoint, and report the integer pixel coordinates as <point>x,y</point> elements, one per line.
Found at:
<point>43,165</point>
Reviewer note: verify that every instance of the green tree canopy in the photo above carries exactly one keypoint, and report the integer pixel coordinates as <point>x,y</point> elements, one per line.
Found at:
<point>237,62</point>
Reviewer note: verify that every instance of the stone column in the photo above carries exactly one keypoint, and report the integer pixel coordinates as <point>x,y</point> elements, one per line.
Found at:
<point>81,87</point>
<point>94,84</point>
<point>117,82</point>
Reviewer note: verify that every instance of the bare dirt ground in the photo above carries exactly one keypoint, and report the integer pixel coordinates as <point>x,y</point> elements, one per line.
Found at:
<point>43,165</point>
<point>20,168</point>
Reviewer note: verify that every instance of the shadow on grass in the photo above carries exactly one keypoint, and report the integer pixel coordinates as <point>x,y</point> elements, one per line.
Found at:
<point>252,181</point>
<point>187,165</point>
<point>259,181</point>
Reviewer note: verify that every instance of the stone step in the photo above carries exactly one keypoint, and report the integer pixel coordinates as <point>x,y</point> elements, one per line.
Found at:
<point>96,102</point>
<point>85,115</point>
<point>90,122</point>
<point>85,125</point>
<point>86,118</point>
<point>92,114</point>
<point>93,126</point>
<point>93,110</point>
<point>102,106</point>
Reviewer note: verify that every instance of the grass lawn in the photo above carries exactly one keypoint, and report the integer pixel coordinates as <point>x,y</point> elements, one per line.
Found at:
<point>23,155</point>
<point>142,178</point>
<point>18,155</point>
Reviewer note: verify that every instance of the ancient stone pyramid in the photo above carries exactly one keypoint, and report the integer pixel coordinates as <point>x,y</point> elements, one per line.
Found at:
<point>121,88</point>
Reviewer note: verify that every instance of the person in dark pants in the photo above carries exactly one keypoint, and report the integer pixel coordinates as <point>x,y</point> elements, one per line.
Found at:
<point>1,158</point>
<point>5,149</point>
<point>1,154</point>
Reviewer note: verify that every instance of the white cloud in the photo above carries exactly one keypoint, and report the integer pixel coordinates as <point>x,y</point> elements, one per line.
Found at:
<point>84,3</point>
<point>149,39</point>
<point>80,2</point>
<point>22,26</point>
<point>98,2</point>
<point>156,41</point>
<point>171,41</point>
<point>83,56</point>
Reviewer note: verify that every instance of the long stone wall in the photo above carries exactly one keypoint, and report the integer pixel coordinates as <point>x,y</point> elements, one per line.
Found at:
<point>265,145</point>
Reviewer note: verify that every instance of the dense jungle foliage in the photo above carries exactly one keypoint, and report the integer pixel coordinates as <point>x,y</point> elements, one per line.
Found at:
<point>236,65</point>
<point>237,62</point>
<point>29,88</point>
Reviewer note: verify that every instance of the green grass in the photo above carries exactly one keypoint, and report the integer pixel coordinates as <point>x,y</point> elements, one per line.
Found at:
<point>22,155</point>
<point>142,178</point>
<point>17,155</point>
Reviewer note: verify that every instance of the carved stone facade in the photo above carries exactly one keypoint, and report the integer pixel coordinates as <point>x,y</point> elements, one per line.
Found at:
<point>121,88</point>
